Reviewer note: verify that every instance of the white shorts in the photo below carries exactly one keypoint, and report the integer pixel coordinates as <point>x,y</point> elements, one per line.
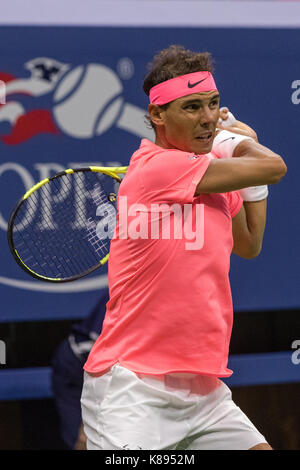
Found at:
<point>125,410</point>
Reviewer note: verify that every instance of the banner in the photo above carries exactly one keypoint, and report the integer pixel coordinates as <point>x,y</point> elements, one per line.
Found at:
<point>73,97</point>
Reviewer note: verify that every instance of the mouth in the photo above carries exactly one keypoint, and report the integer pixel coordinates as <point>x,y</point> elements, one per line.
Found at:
<point>206,137</point>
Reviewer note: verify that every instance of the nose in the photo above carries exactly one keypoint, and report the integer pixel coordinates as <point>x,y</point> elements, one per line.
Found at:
<point>207,116</point>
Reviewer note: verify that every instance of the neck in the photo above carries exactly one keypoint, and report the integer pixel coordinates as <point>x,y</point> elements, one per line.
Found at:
<point>161,140</point>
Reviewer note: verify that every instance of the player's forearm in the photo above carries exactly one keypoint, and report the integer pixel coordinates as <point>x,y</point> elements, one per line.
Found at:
<point>268,164</point>
<point>256,213</point>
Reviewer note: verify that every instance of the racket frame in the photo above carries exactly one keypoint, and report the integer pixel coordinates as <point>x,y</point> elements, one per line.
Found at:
<point>110,171</point>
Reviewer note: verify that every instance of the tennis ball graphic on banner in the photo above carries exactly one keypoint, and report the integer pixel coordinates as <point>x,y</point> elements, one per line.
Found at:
<point>88,101</point>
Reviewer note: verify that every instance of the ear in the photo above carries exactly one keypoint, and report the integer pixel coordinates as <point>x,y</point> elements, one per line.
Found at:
<point>156,114</point>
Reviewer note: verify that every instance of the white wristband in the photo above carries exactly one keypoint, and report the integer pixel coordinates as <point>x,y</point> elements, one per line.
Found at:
<point>230,121</point>
<point>254,193</point>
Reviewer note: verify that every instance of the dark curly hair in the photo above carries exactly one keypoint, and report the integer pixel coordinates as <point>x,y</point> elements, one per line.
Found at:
<point>173,62</point>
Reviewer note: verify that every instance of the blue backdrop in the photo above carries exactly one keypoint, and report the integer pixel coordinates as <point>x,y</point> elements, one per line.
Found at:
<point>74,96</point>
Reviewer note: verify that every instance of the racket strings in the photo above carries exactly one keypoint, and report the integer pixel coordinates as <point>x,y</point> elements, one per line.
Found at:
<point>39,255</point>
<point>85,222</point>
<point>68,264</point>
<point>80,258</point>
<point>59,260</point>
<point>52,246</point>
<point>27,240</point>
<point>100,199</point>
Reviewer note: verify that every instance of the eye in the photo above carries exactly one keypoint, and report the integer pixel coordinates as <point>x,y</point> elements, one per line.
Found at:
<point>192,107</point>
<point>214,103</point>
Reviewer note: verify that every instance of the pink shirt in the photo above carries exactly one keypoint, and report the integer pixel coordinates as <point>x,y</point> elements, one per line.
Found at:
<point>170,307</point>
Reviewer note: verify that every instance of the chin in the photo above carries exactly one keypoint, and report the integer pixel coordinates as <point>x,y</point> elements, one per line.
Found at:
<point>203,149</point>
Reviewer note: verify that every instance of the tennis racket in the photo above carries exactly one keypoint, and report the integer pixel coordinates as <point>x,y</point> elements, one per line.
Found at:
<point>61,229</point>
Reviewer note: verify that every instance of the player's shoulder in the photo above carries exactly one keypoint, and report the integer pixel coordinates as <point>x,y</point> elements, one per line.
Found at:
<point>151,156</point>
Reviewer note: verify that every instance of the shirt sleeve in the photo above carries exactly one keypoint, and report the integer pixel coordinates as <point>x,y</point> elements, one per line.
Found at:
<point>225,143</point>
<point>173,176</point>
<point>235,202</point>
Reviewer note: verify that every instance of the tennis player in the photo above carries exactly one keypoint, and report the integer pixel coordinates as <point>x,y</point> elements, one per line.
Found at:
<point>153,379</point>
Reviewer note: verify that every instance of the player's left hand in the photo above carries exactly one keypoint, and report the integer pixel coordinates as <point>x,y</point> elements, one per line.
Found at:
<point>228,122</point>
<point>223,114</point>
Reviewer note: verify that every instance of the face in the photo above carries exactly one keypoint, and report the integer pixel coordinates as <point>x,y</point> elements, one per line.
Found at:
<point>189,123</point>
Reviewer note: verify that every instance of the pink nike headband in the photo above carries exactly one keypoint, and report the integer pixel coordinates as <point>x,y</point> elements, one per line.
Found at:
<point>183,85</point>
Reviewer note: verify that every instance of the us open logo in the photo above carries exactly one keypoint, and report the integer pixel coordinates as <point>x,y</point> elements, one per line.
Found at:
<point>85,102</point>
